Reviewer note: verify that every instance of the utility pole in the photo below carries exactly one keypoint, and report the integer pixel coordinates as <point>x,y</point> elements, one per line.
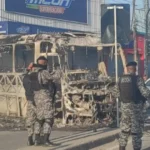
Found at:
<point>134,33</point>
<point>147,11</point>
<point>115,8</point>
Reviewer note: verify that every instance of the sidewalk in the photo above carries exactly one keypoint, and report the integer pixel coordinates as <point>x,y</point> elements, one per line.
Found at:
<point>83,140</point>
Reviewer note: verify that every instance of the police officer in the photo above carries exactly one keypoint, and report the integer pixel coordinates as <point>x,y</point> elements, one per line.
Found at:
<point>30,116</point>
<point>132,92</point>
<point>44,89</point>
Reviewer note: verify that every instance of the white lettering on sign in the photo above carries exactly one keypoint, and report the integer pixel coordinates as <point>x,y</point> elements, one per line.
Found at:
<point>125,80</point>
<point>61,3</point>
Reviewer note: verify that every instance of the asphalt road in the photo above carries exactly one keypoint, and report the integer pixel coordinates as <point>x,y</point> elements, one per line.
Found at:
<point>16,140</point>
<point>115,145</point>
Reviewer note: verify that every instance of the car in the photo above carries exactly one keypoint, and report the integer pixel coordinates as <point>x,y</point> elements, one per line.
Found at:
<point>148,83</point>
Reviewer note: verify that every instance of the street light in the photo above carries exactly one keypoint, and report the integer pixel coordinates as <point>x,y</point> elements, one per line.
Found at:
<point>116,53</point>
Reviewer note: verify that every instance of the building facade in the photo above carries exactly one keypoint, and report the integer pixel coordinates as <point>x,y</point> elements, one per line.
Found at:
<point>51,15</point>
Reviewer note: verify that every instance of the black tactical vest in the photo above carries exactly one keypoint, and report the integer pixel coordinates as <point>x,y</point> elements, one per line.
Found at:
<point>129,92</point>
<point>28,89</point>
<point>35,85</point>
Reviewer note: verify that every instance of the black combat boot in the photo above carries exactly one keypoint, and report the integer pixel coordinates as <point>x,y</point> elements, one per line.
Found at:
<point>122,148</point>
<point>37,140</point>
<point>30,141</point>
<point>46,140</point>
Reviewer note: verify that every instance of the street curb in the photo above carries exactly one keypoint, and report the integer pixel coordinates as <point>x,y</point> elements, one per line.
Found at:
<point>100,141</point>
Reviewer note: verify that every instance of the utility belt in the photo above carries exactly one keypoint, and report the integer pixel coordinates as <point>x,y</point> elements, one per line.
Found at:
<point>133,101</point>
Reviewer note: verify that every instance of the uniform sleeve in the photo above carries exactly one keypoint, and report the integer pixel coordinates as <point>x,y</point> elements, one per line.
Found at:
<point>115,91</point>
<point>56,75</point>
<point>45,76</point>
<point>143,89</point>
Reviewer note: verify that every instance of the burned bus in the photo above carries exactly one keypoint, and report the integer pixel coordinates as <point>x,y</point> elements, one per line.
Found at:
<point>83,95</point>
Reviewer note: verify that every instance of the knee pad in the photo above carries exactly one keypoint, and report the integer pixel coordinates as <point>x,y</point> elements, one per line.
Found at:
<point>40,121</point>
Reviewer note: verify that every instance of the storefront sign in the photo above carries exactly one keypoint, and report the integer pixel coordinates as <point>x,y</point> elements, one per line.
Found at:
<point>70,10</point>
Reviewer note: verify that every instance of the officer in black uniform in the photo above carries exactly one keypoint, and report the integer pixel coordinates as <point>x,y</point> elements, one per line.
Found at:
<point>133,93</point>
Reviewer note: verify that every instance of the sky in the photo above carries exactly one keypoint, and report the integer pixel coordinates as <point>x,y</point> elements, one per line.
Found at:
<point>139,3</point>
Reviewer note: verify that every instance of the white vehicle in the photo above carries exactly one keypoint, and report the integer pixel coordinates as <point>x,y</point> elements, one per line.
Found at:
<point>148,83</point>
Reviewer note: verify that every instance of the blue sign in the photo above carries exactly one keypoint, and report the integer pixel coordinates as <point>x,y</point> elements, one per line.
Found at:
<point>69,10</point>
<point>3,27</point>
<point>22,28</point>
